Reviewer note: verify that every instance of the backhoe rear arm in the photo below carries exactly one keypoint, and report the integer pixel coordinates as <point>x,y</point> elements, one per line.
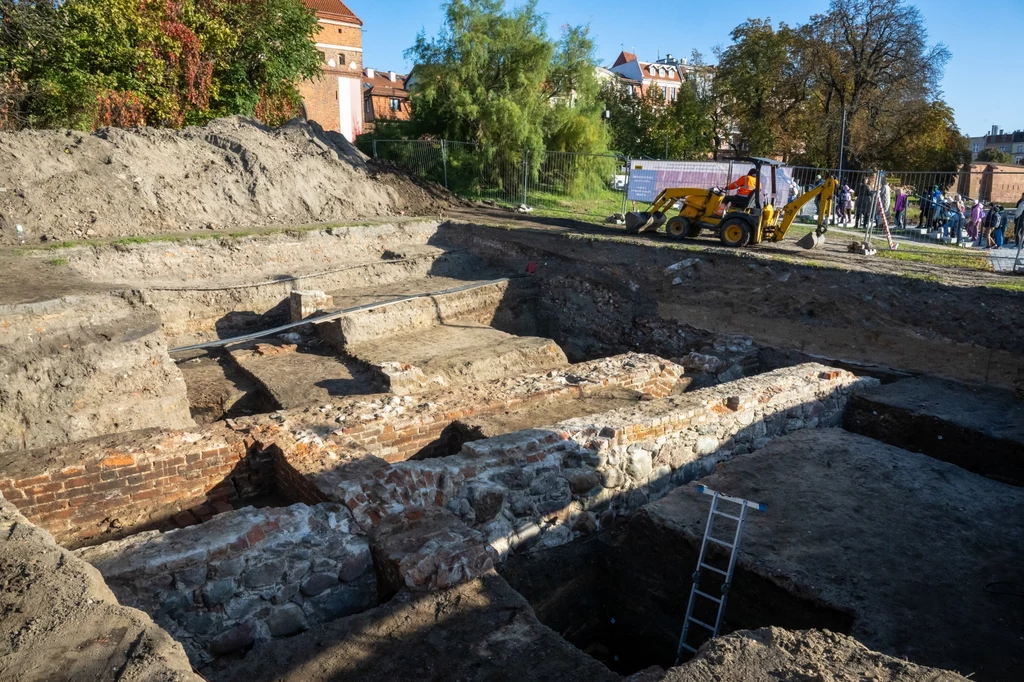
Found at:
<point>827,190</point>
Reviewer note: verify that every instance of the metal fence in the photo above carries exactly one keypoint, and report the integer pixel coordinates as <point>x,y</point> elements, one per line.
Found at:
<point>600,185</point>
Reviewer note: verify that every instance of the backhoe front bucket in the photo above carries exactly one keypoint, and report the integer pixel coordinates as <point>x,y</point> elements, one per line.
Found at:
<point>812,240</point>
<point>637,221</point>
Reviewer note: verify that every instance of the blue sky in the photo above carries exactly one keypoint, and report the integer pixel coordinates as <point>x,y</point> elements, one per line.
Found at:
<point>984,81</point>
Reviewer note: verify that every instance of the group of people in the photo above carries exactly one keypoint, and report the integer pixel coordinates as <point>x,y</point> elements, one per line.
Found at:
<point>986,226</point>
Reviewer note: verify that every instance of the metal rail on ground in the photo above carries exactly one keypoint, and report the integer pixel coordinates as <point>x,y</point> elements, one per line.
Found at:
<point>331,316</point>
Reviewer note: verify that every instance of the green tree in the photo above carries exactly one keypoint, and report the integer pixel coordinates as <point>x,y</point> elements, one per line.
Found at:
<point>648,126</point>
<point>991,155</point>
<point>482,78</point>
<point>166,62</point>
<point>574,118</point>
<point>762,85</point>
<point>871,59</point>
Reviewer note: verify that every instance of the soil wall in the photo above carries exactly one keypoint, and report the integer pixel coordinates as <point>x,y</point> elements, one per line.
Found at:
<point>83,366</point>
<point>62,622</point>
<point>619,295</point>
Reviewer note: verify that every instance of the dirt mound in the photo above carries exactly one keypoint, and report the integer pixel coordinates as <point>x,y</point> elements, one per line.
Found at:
<point>232,172</point>
<point>773,654</point>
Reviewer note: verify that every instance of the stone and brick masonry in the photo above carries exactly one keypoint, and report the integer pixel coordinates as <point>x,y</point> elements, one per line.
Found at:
<point>244,577</point>
<point>248,575</point>
<point>109,486</point>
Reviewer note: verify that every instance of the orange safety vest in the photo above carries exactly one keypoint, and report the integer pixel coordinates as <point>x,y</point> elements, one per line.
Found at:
<point>744,185</point>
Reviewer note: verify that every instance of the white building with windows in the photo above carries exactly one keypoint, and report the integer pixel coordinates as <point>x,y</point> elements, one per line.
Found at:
<point>669,74</point>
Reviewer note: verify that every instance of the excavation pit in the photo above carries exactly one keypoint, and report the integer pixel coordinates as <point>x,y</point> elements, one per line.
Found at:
<point>516,400</point>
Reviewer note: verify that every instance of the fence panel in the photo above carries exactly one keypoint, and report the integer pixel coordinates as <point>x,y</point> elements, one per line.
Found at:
<point>936,207</point>
<point>584,184</point>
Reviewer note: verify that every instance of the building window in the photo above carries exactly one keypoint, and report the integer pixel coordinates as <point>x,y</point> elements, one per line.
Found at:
<point>396,104</point>
<point>1020,149</point>
<point>974,148</point>
<point>369,106</point>
<point>341,60</point>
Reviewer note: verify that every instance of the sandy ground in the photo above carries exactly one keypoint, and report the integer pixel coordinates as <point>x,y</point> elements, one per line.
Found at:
<point>921,552</point>
<point>61,622</point>
<point>773,655</point>
<point>230,173</point>
<point>834,254</point>
<point>303,375</point>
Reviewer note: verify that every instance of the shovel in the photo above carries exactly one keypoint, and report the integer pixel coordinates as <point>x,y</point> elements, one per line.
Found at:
<point>637,221</point>
<point>812,240</point>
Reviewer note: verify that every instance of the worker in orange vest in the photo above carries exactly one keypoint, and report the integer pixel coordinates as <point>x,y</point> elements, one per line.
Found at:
<point>744,187</point>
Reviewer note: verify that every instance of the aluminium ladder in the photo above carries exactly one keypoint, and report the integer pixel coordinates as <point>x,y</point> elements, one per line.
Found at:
<point>733,549</point>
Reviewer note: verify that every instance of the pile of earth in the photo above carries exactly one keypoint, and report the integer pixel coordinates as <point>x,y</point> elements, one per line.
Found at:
<point>231,173</point>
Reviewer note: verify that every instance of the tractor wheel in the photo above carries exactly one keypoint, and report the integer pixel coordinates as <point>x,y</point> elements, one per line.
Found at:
<point>677,227</point>
<point>734,232</point>
<point>682,228</point>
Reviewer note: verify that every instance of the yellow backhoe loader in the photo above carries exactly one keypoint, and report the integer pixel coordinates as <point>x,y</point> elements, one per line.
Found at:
<point>736,224</point>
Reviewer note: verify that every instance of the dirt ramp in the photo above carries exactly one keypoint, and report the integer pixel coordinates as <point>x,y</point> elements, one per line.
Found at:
<point>232,172</point>
<point>63,623</point>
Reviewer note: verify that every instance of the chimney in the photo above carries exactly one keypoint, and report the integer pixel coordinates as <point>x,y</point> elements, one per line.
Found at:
<point>370,73</point>
<point>995,130</point>
<point>391,76</point>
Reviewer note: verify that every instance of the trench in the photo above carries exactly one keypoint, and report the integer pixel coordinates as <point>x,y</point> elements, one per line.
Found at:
<point>618,607</point>
<point>618,595</point>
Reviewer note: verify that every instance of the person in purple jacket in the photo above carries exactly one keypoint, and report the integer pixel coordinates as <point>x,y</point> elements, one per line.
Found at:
<point>974,222</point>
<point>900,209</point>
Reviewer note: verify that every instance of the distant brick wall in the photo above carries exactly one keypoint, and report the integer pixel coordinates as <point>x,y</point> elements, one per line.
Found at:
<point>992,182</point>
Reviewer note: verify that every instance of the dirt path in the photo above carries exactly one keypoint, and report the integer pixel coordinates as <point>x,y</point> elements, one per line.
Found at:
<point>957,267</point>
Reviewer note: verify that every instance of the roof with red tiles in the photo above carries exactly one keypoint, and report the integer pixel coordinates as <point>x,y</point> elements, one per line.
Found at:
<point>333,9</point>
<point>382,85</point>
<point>623,58</point>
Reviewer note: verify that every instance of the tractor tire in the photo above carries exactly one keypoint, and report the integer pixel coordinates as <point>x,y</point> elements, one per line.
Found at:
<point>677,227</point>
<point>682,228</point>
<point>734,232</point>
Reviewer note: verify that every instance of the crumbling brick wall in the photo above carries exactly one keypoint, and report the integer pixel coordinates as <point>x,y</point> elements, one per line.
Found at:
<point>545,486</point>
<point>244,577</point>
<point>112,485</point>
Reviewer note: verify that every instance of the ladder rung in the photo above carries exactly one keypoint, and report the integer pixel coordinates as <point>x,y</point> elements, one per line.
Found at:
<point>728,516</point>
<point>723,543</point>
<point>702,624</point>
<point>708,596</point>
<point>684,645</point>
<point>716,570</point>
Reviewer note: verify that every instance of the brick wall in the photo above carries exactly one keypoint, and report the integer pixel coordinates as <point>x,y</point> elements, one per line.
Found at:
<point>320,95</point>
<point>92,491</point>
<point>243,578</point>
<point>547,485</point>
<point>115,485</point>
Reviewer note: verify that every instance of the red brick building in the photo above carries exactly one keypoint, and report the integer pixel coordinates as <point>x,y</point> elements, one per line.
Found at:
<point>385,97</point>
<point>1003,183</point>
<point>334,100</point>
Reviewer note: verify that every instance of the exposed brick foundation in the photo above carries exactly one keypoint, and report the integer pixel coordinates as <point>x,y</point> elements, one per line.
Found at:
<point>122,482</point>
<point>110,486</point>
